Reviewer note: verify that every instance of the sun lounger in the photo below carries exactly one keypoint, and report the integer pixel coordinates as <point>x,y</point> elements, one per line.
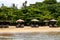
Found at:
<point>4,26</point>
<point>20,26</point>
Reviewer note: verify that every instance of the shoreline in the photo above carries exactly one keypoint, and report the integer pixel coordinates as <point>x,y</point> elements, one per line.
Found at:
<point>26,29</point>
<point>12,30</point>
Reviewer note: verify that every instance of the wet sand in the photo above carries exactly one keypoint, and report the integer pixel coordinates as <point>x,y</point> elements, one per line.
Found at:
<point>26,29</point>
<point>12,30</point>
<point>28,33</point>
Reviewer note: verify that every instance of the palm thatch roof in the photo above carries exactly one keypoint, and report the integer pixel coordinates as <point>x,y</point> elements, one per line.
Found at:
<point>34,20</point>
<point>20,20</point>
<point>53,20</point>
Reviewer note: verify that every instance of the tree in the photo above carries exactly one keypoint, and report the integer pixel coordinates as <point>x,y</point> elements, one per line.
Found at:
<point>47,9</point>
<point>50,1</point>
<point>58,21</point>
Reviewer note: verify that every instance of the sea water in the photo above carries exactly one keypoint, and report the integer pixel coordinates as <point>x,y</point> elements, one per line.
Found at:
<point>31,36</point>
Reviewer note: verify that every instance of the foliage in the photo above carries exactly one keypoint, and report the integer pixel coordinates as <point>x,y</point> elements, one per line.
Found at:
<point>50,1</point>
<point>48,9</point>
<point>58,21</point>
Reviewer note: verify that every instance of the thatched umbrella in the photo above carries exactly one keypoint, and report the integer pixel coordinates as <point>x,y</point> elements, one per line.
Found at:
<point>53,23</point>
<point>20,23</point>
<point>20,20</point>
<point>53,20</point>
<point>46,22</point>
<point>5,21</point>
<point>35,20</point>
<point>35,23</point>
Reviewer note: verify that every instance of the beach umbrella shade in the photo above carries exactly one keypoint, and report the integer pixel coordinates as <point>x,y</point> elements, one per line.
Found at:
<point>53,20</point>
<point>46,20</point>
<point>20,20</point>
<point>35,20</point>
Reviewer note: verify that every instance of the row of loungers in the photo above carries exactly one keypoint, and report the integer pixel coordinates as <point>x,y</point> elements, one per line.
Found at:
<point>18,26</point>
<point>34,23</point>
<point>22,26</point>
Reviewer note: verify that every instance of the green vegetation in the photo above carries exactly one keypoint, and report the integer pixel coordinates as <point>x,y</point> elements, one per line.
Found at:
<point>48,9</point>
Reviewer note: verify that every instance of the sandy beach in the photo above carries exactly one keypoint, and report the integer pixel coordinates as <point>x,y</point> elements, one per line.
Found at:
<point>28,29</point>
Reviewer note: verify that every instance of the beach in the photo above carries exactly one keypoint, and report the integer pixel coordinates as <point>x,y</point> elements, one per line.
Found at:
<point>29,33</point>
<point>28,29</point>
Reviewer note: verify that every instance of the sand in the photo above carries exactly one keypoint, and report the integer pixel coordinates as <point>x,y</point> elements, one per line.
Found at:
<point>28,29</point>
